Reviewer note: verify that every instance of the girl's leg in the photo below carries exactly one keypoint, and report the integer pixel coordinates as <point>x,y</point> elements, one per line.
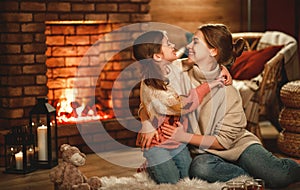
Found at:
<point>261,163</point>
<point>212,168</point>
<point>182,159</point>
<point>161,167</point>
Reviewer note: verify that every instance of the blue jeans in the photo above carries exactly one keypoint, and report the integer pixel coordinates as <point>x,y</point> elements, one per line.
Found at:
<point>168,165</point>
<point>255,161</point>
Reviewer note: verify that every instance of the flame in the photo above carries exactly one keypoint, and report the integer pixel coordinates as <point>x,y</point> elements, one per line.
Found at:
<point>70,111</point>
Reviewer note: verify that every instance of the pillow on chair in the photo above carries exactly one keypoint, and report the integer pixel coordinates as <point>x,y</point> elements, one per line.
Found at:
<point>251,63</point>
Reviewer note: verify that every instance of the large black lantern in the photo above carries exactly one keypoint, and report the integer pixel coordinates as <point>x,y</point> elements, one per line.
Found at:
<point>44,125</point>
<point>19,151</point>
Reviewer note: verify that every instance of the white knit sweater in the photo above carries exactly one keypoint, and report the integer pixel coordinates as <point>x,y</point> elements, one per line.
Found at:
<point>221,114</point>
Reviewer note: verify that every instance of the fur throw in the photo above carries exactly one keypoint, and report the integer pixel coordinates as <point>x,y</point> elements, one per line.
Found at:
<point>141,181</point>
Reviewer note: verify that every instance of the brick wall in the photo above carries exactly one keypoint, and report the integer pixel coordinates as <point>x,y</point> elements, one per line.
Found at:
<point>90,136</point>
<point>23,45</point>
<point>23,69</point>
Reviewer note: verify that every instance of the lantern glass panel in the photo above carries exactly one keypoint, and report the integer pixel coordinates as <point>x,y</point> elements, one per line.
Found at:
<point>19,151</point>
<point>43,124</point>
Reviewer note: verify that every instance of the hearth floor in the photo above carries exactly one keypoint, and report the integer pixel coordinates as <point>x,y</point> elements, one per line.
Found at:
<point>124,164</point>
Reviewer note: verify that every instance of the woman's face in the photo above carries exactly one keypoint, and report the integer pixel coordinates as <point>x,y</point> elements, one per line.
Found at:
<point>198,48</point>
<point>168,50</point>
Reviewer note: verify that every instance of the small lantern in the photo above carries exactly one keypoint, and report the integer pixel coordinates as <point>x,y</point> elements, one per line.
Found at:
<point>44,125</point>
<point>19,151</point>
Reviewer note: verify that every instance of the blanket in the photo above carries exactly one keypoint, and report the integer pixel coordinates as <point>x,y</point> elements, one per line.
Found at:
<point>142,181</point>
<point>289,51</point>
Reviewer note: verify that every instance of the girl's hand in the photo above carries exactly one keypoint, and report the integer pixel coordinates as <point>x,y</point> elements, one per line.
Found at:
<point>144,140</point>
<point>219,82</point>
<point>147,135</point>
<point>225,73</point>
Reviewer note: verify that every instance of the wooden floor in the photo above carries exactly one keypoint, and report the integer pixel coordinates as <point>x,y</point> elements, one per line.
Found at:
<point>116,163</point>
<point>124,164</point>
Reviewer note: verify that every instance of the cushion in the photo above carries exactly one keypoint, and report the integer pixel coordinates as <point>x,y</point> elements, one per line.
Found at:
<point>251,63</point>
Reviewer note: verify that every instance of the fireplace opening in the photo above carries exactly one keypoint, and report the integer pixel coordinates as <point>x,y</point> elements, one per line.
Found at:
<point>81,71</point>
<point>71,111</point>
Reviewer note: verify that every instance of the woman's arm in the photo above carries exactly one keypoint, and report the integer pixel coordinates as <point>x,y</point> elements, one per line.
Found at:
<point>229,126</point>
<point>179,134</point>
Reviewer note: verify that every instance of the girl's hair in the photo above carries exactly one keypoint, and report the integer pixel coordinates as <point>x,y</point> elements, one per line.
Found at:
<point>218,36</point>
<point>144,47</point>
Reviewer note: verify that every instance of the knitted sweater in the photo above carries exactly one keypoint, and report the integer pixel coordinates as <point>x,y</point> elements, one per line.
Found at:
<point>222,116</point>
<point>165,106</point>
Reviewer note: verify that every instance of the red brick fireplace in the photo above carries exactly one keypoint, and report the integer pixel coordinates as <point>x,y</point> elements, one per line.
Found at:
<point>83,62</point>
<point>44,44</point>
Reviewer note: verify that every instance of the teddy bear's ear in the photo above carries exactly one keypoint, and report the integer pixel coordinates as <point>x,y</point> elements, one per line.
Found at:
<point>64,147</point>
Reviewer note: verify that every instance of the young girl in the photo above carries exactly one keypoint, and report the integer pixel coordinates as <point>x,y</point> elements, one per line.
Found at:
<point>161,96</point>
<point>223,148</point>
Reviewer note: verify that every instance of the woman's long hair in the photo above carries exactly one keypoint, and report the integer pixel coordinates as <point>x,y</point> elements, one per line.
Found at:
<point>144,48</point>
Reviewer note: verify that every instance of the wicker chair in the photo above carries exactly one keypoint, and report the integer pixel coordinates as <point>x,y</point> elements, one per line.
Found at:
<point>265,99</point>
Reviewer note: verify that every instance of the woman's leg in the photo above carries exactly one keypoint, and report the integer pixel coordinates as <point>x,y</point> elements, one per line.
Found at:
<point>161,167</point>
<point>276,172</point>
<point>182,159</point>
<point>212,168</point>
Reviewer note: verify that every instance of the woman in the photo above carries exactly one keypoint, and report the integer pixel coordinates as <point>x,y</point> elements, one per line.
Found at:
<point>223,149</point>
<point>161,94</point>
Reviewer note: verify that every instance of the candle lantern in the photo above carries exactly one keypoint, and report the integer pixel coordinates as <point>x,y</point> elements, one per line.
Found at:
<point>44,125</point>
<point>19,151</point>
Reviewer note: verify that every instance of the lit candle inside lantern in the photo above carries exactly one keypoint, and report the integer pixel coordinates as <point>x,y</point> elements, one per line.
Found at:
<point>19,160</point>
<point>29,155</point>
<point>42,142</point>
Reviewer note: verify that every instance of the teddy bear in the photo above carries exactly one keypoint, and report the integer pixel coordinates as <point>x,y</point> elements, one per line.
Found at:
<point>67,176</point>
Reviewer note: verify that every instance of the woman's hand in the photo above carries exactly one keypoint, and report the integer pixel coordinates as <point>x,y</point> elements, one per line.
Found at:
<point>179,134</point>
<point>176,133</point>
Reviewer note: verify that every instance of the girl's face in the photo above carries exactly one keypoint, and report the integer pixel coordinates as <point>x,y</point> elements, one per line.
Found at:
<point>198,48</point>
<point>168,52</point>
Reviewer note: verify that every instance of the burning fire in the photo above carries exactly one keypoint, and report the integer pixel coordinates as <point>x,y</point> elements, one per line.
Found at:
<point>71,111</point>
